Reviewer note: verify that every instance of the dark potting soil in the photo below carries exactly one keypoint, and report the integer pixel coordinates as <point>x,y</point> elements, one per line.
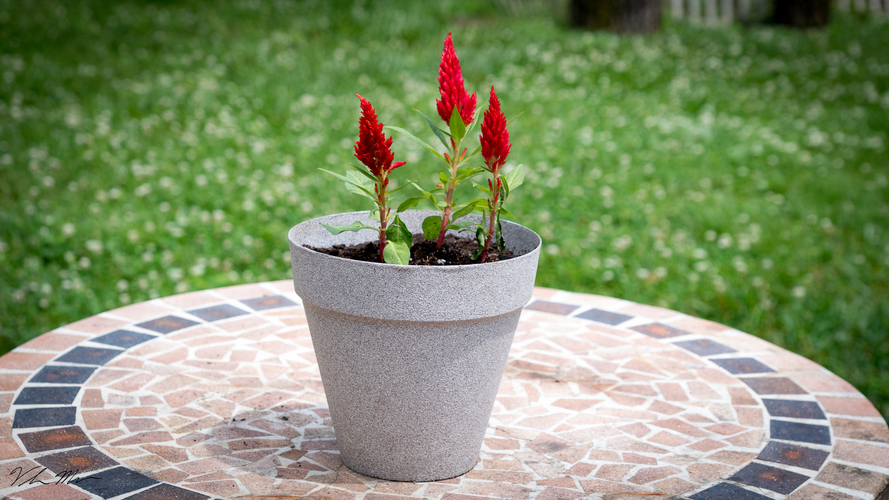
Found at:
<point>453,252</point>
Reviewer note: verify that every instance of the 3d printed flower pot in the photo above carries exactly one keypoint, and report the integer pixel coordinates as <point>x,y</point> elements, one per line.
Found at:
<point>411,357</point>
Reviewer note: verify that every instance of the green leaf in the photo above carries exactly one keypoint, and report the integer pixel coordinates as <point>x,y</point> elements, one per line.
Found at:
<point>462,225</point>
<point>437,131</point>
<point>498,237</point>
<point>429,195</point>
<point>363,170</point>
<point>465,173</point>
<point>506,213</point>
<point>432,227</point>
<point>417,140</point>
<point>458,128</point>
<point>513,179</point>
<point>482,188</point>
<point>443,178</point>
<point>409,203</point>
<point>463,211</point>
<point>480,239</point>
<point>514,118</point>
<point>355,226</point>
<point>354,183</point>
<point>398,243</point>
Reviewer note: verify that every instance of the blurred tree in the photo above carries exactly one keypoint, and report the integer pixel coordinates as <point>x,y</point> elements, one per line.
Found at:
<point>802,13</point>
<point>621,16</point>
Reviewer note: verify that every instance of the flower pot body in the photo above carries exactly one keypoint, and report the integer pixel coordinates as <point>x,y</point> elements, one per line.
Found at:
<point>411,357</point>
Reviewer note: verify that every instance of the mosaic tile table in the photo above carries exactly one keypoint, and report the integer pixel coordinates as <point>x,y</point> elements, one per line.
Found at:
<point>216,394</point>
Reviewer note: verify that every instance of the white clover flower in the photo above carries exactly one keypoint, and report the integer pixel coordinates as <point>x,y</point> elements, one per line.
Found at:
<point>94,246</point>
<point>68,229</point>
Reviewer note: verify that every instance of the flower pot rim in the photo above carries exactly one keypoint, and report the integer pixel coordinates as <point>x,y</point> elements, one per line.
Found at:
<point>366,214</point>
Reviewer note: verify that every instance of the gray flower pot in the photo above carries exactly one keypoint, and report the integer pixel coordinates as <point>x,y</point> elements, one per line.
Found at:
<point>411,357</point>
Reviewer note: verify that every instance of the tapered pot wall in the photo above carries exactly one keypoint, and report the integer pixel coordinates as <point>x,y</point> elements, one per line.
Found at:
<point>410,356</point>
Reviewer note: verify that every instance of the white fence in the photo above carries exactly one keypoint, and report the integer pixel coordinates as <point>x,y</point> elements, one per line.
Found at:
<point>728,11</point>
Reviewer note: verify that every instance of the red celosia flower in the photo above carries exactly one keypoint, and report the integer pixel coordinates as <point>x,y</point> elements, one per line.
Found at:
<point>494,137</point>
<point>372,148</point>
<point>450,84</point>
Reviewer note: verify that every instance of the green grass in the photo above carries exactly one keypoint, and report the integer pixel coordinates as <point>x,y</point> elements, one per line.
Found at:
<point>149,148</point>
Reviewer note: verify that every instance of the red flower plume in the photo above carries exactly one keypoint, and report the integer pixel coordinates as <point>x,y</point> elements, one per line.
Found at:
<point>494,137</point>
<point>372,148</point>
<point>450,84</point>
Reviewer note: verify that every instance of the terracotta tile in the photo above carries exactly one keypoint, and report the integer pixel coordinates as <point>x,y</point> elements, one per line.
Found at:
<point>92,398</point>
<point>861,453</point>
<point>225,489</point>
<point>242,324</point>
<point>502,444</point>
<point>191,299</point>
<point>54,341</point>
<point>9,449</point>
<point>815,492</point>
<point>749,439</point>
<point>857,406</point>
<point>167,492</point>
<point>561,482</point>
<point>618,490</point>
<point>5,402</point>
<point>556,493</point>
<point>860,429</point>
<point>105,436</point>
<point>666,408</point>
<point>6,427</point>
<point>635,458</point>
<point>141,424</point>
<point>24,360</point>
<point>725,429</point>
<point>707,445</point>
<point>751,417</point>
<point>170,475</point>
<point>133,383</point>
<point>732,457</point>
<point>501,476</point>
<point>395,488</point>
<point>672,391</point>
<point>51,491</point>
<point>86,459</point>
<point>700,390</point>
<point>680,427</point>
<point>700,326</point>
<point>822,381</point>
<point>648,475</point>
<point>95,324</point>
<point>496,490</point>
<point>613,472</point>
<point>181,398</point>
<point>503,465</point>
<point>673,486</point>
<point>853,478</point>
<point>169,453</point>
<point>144,437</point>
<point>101,419</point>
<point>668,439</point>
<point>704,473</point>
<point>142,311</point>
<point>741,397</point>
<point>248,291</point>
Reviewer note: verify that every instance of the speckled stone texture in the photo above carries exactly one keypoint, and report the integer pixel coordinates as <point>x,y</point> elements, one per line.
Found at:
<point>409,293</point>
<point>411,356</point>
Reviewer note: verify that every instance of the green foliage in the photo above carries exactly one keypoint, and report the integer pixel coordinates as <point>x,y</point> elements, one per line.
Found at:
<point>737,174</point>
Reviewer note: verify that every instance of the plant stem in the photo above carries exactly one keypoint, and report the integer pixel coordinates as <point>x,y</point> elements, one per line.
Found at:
<point>381,206</point>
<point>449,196</point>
<point>495,188</point>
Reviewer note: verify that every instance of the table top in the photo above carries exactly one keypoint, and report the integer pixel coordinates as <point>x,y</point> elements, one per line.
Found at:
<point>216,394</point>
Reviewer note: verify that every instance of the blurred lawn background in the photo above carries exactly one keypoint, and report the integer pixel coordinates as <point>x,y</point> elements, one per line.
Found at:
<point>736,174</point>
